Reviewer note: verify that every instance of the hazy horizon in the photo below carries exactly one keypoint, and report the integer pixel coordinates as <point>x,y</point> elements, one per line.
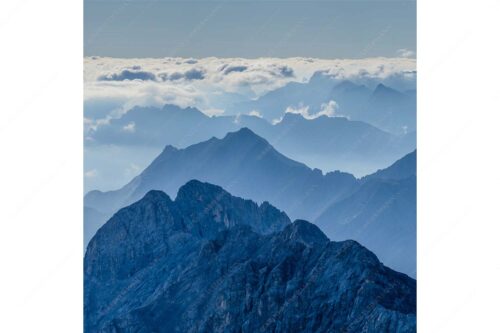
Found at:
<point>320,29</point>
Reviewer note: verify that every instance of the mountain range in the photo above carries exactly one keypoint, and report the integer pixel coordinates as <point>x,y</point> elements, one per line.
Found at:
<point>328,143</point>
<point>381,214</point>
<point>244,164</point>
<point>366,209</point>
<point>384,107</point>
<point>211,262</point>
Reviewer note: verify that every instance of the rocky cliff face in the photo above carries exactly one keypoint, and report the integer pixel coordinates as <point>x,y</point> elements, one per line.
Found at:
<point>211,262</point>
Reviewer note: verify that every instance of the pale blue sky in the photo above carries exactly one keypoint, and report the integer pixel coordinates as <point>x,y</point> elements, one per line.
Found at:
<point>322,29</point>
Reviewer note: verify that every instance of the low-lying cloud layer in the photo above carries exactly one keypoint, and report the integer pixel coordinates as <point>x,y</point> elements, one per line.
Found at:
<point>113,86</point>
<point>127,74</point>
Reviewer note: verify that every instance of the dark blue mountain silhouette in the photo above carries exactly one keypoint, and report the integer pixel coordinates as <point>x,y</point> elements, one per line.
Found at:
<point>210,262</point>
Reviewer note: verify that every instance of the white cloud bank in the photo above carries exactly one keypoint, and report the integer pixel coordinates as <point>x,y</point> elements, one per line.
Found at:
<point>327,109</point>
<point>113,86</point>
<point>255,113</point>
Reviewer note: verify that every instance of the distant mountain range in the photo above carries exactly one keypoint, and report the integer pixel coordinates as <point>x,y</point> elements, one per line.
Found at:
<point>244,164</point>
<point>211,262</point>
<point>328,143</point>
<point>381,214</point>
<point>248,166</point>
<point>383,107</point>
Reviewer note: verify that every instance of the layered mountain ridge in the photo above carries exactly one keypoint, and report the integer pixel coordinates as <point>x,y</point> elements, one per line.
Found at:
<point>328,143</point>
<point>244,164</point>
<point>249,167</point>
<point>381,214</point>
<point>384,107</point>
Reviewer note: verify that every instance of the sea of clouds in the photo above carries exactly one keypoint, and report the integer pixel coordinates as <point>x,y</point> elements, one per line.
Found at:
<point>113,86</point>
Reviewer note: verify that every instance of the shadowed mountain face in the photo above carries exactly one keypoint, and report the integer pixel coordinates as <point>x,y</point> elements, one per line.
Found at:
<point>328,143</point>
<point>210,262</point>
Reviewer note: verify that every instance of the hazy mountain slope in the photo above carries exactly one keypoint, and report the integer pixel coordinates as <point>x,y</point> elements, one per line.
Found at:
<point>327,143</point>
<point>273,104</point>
<point>241,162</point>
<point>402,168</point>
<point>351,98</point>
<point>391,110</point>
<point>383,107</point>
<point>381,215</point>
<point>192,265</point>
<point>151,126</point>
<point>338,143</point>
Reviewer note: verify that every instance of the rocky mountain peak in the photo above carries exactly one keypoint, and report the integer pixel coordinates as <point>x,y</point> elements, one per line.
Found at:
<point>305,232</point>
<point>153,267</point>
